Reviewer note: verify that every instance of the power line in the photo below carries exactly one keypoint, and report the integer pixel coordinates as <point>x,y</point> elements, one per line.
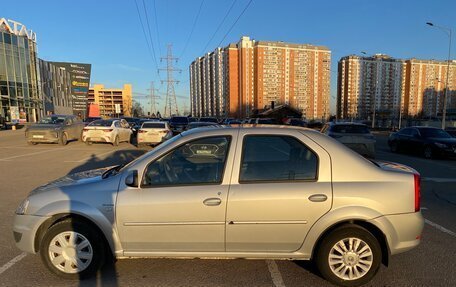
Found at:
<point>232,26</point>
<point>219,26</point>
<point>145,35</point>
<point>193,28</point>
<point>156,28</point>
<point>150,33</point>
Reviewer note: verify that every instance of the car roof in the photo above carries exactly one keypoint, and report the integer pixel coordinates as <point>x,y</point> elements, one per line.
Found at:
<point>346,123</point>
<point>266,128</point>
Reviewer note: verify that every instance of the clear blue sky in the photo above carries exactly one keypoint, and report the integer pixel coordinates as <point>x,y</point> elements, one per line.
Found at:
<point>108,33</point>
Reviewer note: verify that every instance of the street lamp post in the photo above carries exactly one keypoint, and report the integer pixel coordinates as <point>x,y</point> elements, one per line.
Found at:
<point>445,95</point>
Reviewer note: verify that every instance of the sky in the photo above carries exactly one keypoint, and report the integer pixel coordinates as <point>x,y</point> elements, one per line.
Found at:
<point>108,33</point>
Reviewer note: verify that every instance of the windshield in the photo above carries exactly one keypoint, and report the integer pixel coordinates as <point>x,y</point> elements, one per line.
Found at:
<point>100,123</point>
<point>53,120</point>
<point>434,133</point>
<point>153,126</point>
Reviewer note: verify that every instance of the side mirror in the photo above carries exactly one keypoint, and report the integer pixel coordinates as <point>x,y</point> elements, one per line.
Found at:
<point>132,179</point>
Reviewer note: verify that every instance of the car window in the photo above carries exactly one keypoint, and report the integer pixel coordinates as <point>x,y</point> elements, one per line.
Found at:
<point>434,133</point>
<point>276,158</point>
<point>153,125</point>
<point>414,132</point>
<point>200,161</point>
<point>405,132</point>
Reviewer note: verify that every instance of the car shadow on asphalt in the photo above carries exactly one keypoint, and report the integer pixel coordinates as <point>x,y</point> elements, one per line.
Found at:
<point>107,275</point>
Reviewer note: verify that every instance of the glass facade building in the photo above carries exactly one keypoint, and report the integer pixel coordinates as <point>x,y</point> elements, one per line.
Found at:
<point>19,88</point>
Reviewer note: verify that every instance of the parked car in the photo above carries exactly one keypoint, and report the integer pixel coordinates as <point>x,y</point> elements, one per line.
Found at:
<point>192,119</point>
<point>111,131</point>
<point>209,120</point>
<point>451,131</point>
<point>427,141</point>
<point>265,121</point>
<point>315,125</point>
<point>231,192</point>
<point>55,129</point>
<point>153,133</point>
<point>353,135</point>
<point>234,122</point>
<point>178,124</point>
<point>133,123</point>
<point>296,122</point>
<point>201,124</point>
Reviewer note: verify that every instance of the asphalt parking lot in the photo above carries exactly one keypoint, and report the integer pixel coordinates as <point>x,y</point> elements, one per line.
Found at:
<point>24,167</point>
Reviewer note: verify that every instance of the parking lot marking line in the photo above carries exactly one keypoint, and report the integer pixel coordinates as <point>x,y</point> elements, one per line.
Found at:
<point>275,273</point>
<point>441,228</point>
<point>28,154</point>
<point>12,262</point>
<point>87,158</point>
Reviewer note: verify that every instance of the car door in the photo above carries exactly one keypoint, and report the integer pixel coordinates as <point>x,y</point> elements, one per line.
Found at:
<point>180,205</point>
<point>416,141</point>
<point>281,185</point>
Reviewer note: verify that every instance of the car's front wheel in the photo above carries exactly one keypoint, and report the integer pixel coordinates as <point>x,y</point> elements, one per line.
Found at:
<point>349,256</point>
<point>63,139</point>
<point>72,250</point>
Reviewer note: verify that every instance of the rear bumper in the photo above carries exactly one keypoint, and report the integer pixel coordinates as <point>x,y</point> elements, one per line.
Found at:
<point>103,139</point>
<point>25,228</point>
<point>403,231</point>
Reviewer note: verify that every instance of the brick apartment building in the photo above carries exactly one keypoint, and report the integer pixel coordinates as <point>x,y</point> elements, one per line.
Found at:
<point>246,76</point>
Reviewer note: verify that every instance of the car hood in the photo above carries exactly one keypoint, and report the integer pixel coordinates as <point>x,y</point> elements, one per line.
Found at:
<point>83,177</point>
<point>44,126</point>
<point>393,166</point>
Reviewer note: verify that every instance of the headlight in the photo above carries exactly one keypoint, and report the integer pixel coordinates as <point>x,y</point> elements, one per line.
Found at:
<point>441,145</point>
<point>22,208</point>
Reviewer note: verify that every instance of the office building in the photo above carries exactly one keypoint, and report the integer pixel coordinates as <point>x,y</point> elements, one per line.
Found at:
<point>19,79</point>
<point>107,98</point>
<point>245,77</point>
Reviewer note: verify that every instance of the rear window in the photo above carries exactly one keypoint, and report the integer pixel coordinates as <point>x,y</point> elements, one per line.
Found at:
<point>100,123</point>
<point>350,129</point>
<point>179,120</point>
<point>153,126</point>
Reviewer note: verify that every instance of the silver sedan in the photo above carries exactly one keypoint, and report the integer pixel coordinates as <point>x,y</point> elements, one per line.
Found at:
<point>257,192</point>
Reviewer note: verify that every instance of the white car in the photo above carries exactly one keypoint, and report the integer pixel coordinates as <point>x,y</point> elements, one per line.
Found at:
<point>153,132</point>
<point>111,131</point>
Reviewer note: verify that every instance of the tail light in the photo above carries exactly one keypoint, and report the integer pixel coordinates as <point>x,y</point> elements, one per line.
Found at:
<point>142,131</point>
<point>108,131</point>
<point>85,130</point>
<point>163,132</point>
<point>417,192</point>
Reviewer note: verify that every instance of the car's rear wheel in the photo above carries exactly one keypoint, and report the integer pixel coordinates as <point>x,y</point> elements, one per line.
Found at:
<point>87,142</point>
<point>427,152</point>
<point>72,249</point>
<point>349,256</point>
<point>32,143</point>
<point>63,139</point>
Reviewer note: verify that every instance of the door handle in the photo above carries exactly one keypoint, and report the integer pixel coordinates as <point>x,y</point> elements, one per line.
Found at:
<point>318,197</point>
<point>212,201</point>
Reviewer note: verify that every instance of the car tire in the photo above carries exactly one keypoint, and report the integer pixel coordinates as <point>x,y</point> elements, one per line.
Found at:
<point>347,246</point>
<point>88,142</point>
<point>63,139</point>
<point>394,147</point>
<point>116,141</point>
<point>87,252</point>
<point>32,143</point>
<point>427,152</point>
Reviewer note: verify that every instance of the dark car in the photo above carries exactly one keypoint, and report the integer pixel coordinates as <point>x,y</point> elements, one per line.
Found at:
<point>209,120</point>
<point>134,123</point>
<point>178,124</point>
<point>55,129</point>
<point>427,141</point>
<point>296,122</point>
<point>201,124</point>
<point>451,131</point>
<point>192,119</point>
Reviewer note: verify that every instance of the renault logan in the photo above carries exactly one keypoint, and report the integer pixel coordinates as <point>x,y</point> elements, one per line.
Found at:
<point>257,192</point>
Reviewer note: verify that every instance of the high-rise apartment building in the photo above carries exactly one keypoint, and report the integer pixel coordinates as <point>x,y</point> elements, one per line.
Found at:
<point>107,98</point>
<point>241,78</point>
<point>393,87</point>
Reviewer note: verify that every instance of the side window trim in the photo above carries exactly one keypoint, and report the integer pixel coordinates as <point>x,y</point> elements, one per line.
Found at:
<point>277,181</point>
<point>229,138</point>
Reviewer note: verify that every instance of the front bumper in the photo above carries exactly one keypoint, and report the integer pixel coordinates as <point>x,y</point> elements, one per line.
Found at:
<point>403,231</point>
<point>25,228</point>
